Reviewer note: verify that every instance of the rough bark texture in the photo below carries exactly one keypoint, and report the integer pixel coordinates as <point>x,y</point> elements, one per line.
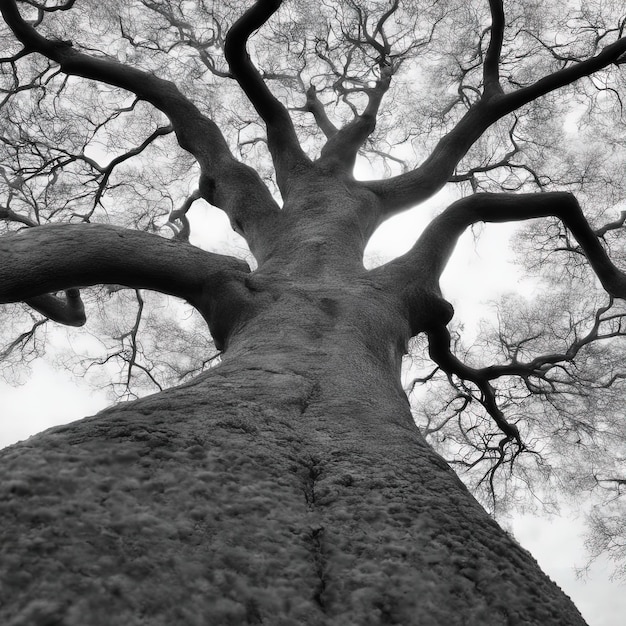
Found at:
<point>287,486</point>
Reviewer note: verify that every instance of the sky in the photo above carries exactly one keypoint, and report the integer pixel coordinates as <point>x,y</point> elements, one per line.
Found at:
<point>52,396</point>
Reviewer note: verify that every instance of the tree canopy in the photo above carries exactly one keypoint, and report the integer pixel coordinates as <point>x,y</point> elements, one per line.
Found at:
<point>124,121</point>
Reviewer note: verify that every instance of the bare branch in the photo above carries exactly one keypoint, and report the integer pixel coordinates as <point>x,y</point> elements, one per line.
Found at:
<point>283,143</point>
<point>180,215</point>
<point>108,170</point>
<point>20,342</point>
<point>539,368</point>
<point>342,147</point>
<point>132,335</point>
<point>491,69</point>
<point>314,105</point>
<point>51,258</point>
<point>406,190</point>
<point>69,311</point>
<point>401,192</point>
<point>614,225</point>
<point>439,347</point>
<point>226,183</point>
<point>430,254</point>
<point>610,54</point>
<point>11,216</point>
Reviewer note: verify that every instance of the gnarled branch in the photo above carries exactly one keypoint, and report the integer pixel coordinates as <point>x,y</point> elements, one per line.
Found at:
<point>401,192</point>
<point>440,353</point>
<point>47,259</point>
<point>342,147</point>
<point>282,140</point>
<point>314,106</point>
<point>228,184</point>
<point>441,236</point>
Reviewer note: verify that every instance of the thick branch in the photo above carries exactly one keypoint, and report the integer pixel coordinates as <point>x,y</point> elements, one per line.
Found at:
<point>428,258</point>
<point>611,54</point>
<point>314,106</point>
<point>11,216</point>
<point>47,259</point>
<point>228,184</point>
<point>162,93</point>
<point>406,190</point>
<point>282,140</point>
<point>342,147</point>
<point>491,66</point>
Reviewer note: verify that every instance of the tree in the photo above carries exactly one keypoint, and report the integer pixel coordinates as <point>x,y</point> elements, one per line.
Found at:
<point>290,483</point>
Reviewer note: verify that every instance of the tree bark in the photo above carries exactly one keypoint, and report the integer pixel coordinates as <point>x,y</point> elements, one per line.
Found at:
<point>288,485</point>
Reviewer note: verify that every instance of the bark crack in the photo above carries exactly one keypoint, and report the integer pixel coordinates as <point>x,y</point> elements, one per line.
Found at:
<point>313,472</point>
<point>309,398</point>
<point>316,537</point>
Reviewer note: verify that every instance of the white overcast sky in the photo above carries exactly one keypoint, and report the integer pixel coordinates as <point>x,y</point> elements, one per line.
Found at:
<point>52,397</point>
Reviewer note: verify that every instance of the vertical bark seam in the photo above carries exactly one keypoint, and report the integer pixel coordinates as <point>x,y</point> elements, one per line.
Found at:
<point>319,560</point>
<point>313,472</point>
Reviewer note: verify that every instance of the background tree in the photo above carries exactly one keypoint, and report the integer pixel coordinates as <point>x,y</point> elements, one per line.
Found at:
<point>289,484</point>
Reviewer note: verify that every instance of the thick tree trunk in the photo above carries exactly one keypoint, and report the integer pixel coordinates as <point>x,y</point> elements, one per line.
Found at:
<point>286,486</point>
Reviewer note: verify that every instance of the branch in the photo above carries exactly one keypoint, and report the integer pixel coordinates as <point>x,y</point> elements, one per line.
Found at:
<point>228,184</point>
<point>162,93</point>
<point>51,258</point>
<point>69,311</point>
<point>614,225</point>
<point>610,55</point>
<point>11,216</point>
<point>406,190</point>
<point>283,143</point>
<point>314,106</point>
<point>491,66</point>
<point>342,147</point>
<point>22,340</point>
<point>540,367</point>
<point>428,258</point>
<point>182,232</point>
<point>439,349</point>
<point>108,170</point>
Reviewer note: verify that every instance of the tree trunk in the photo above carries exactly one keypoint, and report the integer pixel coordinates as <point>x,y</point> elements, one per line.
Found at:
<point>288,485</point>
